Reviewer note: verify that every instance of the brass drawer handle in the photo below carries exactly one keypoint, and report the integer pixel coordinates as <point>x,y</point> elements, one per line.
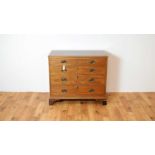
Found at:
<point>92,62</point>
<point>64,90</point>
<point>91,90</point>
<point>91,79</point>
<point>63,61</point>
<point>92,70</point>
<point>63,79</point>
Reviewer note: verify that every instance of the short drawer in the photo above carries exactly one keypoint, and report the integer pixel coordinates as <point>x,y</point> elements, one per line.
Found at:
<point>91,80</point>
<point>60,79</point>
<point>63,60</point>
<point>91,70</point>
<point>60,90</point>
<point>91,90</point>
<point>62,69</point>
<point>93,61</point>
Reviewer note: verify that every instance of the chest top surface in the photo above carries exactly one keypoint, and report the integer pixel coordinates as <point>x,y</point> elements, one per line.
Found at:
<point>79,53</point>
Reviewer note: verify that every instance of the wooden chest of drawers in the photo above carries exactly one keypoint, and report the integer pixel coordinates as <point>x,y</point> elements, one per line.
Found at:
<point>77,77</point>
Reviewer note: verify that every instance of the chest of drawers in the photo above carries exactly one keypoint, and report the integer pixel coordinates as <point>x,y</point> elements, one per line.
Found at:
<point>77,77</point>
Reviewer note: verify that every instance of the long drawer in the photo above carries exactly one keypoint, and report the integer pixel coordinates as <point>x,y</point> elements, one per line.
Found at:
<point>77,70</point>
<point>73,79</point>
<point>83,61</point>
<point>77,90</point>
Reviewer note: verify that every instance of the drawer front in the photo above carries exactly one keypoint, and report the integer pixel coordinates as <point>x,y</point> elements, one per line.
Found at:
<point>59,61</point>
<point>93,61</point>
<point>77,76</point>
<point>91,70</point>
<point>63,69</point>
<point>91,80</point>
<point>60,90</point>
<point>63,79</point>
<point>76,91</point>
<point>91,90</point>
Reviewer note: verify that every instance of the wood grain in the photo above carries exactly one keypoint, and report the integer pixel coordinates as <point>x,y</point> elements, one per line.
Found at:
<point>34,106</point>
<point>63,90</point>
<point>66,79</point>
<point>91,70</point>
<point>91,80</point>
<point>83,77</point>
<point>93,61</point>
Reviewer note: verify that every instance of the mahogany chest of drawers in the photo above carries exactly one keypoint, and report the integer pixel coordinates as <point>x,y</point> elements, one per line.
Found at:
<point>77,77</point>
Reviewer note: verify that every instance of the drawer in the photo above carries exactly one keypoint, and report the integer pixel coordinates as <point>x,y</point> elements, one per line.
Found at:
<point>60,90</point>
<point>62,69</point>
<point>63,60</point>
<point>93,61</point>
<point>60,79</point>
<point>91,80</point>
<point>91,90</point>
<point>91,70</point>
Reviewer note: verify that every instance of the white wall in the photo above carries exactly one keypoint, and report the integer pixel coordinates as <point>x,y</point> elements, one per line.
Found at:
<point>24,63</point>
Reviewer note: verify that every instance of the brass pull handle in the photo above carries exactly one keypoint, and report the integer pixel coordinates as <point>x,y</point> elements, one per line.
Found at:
<point>64,90</point>
<point>92,62</point>
<point>91,90</point>
<point>91,79</point>
<point>92,70</point>
<point>63,68</point>
<point>63,61</point>
<point>63,79</point>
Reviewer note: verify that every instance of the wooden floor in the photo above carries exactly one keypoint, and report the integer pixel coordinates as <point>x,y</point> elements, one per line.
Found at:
<point>34,106</point>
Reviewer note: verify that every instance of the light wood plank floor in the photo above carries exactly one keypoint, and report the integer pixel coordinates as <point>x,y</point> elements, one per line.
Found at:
<point>34,106</point>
